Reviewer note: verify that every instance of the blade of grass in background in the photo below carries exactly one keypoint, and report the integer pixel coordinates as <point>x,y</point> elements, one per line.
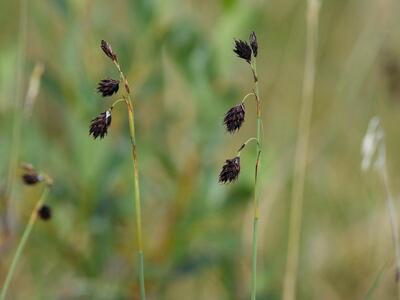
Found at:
<point>17,115</point>
<point>289,288</point>
<point>374,155</point>
<point>375,283</point>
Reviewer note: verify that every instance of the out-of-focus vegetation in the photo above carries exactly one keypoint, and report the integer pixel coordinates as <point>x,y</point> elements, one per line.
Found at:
<point>178,58</point>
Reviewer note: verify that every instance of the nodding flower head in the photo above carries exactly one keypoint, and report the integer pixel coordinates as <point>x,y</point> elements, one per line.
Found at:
<point>230,170</point>
<point>108,87</point>
<point>242,50</point>
<point>253,43</point>
<point>234,118</point>
<point>99,125</point>
<point>106,47</point>
<point>31,178</point>
<point>44,212</point>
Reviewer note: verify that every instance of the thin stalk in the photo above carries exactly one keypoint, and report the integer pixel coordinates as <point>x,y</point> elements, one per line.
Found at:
<point>22,243</point>
<point>245,144</point>
<point>256,202</point>
<point>117,102</point>
<point>248,95</point>
<point>289,288</point>
<point>137,200</point>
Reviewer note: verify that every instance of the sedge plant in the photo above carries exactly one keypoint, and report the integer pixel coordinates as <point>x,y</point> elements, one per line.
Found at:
<point>41,210</point>
<point>99,128</point>
<point>233,121</point>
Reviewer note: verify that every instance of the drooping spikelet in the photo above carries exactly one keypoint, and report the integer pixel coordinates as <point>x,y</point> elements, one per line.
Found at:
<point>230,170</point>
<point>108,87</point>
<point>100,124</point>
<point>234,118</point>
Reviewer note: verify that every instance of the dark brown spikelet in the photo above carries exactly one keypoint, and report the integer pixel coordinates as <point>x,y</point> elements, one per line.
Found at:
<point>44,212</point>
<point>242,50</point>
<point>234,118</point>
<point>99,125</point>
<point>108,87</point>
<point>31,178</point>
<point>230,170</point>
<point>253,43</point>
<point>106,47</point>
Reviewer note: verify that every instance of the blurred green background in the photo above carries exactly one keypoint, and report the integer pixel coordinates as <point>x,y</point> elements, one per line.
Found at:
<point>178,58</point>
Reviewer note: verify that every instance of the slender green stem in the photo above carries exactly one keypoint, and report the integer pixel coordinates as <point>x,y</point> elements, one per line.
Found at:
<point>256,204</point>
<point>137,200</point>
<point>22,243</point>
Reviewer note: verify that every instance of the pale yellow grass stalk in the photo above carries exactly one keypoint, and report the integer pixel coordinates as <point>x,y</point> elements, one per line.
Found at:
<point>290,280</point>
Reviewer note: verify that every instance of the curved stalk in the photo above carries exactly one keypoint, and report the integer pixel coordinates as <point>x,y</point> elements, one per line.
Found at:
<point>22,243</point>
<point>245,144</point>
<point>117,102</point>
<point>137,200</point>
<point>245,97</point>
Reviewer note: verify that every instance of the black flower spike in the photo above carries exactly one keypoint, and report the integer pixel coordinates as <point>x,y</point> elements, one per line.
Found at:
<point>44,212</point>
<point>253,43</point>
<point>108,87</point>
<point>31,178</point>
<point>234,118</point>
<point>99,125</point>
<point>230,170</point>
<point>106,47</point>
<point>242,50</point>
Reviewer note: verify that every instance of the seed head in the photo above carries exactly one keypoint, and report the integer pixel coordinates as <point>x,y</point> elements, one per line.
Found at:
<point>106,47</point>
<point>44,212</point>
<point>31,178</point>
<point>230,170</point>
<point>234,118</point>
<point>108,87</point>
<point>253,43</point>
<point>99,125</point>
<point>242,50</point>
